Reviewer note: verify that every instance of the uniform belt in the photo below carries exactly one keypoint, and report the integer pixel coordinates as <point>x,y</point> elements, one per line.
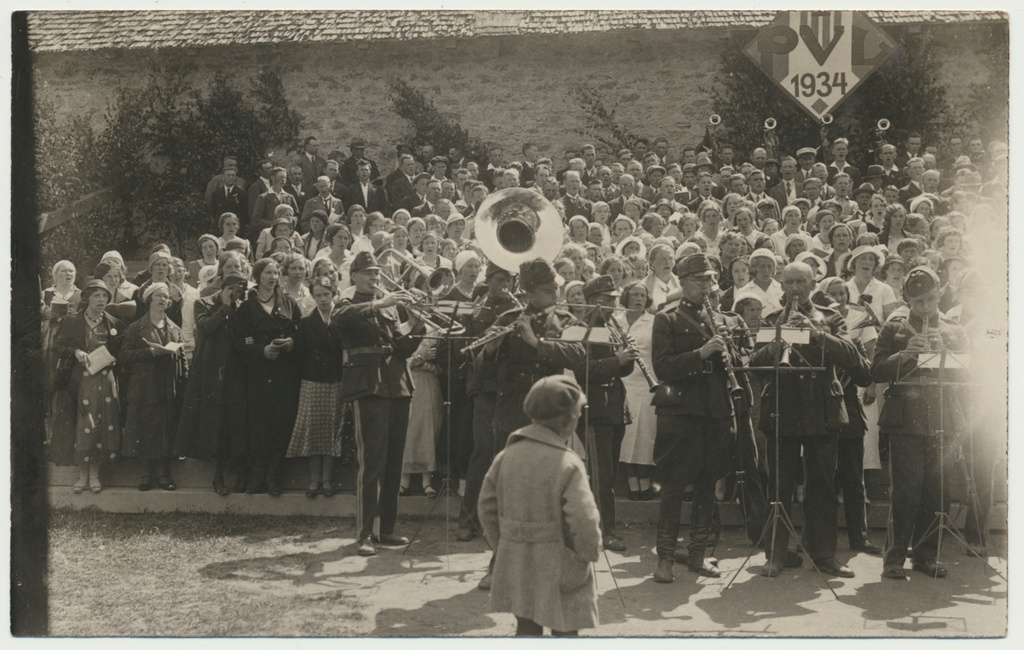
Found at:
<point>385,350</point>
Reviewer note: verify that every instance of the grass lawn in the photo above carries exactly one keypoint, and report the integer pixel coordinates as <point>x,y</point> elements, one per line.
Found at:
<point>185,574</point>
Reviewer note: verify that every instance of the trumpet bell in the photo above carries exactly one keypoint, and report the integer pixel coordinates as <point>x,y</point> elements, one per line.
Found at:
<point>517,225</point>
<point>883,124</point>
<point>715,119</point>
<point>770,124</point>
<point>827,118</point>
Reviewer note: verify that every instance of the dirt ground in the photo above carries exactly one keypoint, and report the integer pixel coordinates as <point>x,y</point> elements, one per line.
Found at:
<point>217,575</point>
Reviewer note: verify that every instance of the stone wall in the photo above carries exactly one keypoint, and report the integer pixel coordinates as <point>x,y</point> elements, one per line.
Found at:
<point>507,89</point>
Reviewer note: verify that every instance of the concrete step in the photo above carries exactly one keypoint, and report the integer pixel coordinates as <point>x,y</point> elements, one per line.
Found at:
<point>294,502</point>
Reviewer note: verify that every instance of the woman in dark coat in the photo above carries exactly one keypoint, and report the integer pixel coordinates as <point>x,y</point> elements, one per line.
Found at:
<point>317,431</point>
<point>215,378</point>
<point>86,427</point>
<point>153,364</point>
<point>263,333</point>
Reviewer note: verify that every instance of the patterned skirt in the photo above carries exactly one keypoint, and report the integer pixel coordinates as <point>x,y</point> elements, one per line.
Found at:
<point>98,430</point>
<point>317,430</point>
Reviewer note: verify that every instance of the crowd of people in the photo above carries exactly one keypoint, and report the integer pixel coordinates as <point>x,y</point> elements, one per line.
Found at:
<point>303,329</point>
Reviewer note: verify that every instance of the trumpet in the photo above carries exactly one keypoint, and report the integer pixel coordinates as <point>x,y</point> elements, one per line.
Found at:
<point>883,125</point>
<point>623,339</point>
<point>827,119</point>
<point>770,124</point>
<point>715,119</point>
<point>439,281</point>
<point>735,389</point>
<point>426,312</point>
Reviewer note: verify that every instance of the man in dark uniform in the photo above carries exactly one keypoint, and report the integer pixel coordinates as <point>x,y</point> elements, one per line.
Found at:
<point>482,387</point>
<point>696,437</point>
<point>810,414</point>
<point>529,352</point>
<point>917,422</point>
<point>606,404</point>
<point>378,340</point>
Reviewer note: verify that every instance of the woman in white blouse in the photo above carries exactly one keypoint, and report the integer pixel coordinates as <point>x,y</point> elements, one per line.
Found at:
<point>637,450</point>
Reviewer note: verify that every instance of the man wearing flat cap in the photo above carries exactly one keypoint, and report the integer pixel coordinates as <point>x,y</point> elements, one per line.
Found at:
<point>531,351</point>
<point>696,436</point>
<point>606,396</point>
<point>378,336</point>
<point>921,422</point>
<point>539,515</point>
<point>810,414</point>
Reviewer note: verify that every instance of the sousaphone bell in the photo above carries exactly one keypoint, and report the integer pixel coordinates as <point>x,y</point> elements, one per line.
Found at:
<point>518,225</point>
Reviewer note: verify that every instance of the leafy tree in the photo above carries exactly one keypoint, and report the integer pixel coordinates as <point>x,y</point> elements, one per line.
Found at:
<point>158,148</point>
<point>429,125</point>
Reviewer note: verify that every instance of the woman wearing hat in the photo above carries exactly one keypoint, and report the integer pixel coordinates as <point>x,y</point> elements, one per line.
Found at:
<point>578,229</point>
<point>214,394</point>
<point>738,272</point>
<point>123,291</point>
<point>160,269</point>
<point>283,226</point>
<point>263,333</point>
<point>316,434</point>
<point>60,300</point>
<point>209,250</point>
<point>113,277</point>
<point>153,367</point>
<point>86,422</point>
<point>229,226</point>
<point>867,290</point>
<point>637,450</point>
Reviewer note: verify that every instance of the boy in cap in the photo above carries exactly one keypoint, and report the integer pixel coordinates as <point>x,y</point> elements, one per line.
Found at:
<point>378,336</point>
<point>530,351</point>
<point>540,517</point>
<point>920,425</point>
<point>696,435</point>
<point>606,395</point>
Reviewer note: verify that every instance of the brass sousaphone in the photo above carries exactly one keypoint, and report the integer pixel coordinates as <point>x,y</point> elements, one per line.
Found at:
<point>517,225</point>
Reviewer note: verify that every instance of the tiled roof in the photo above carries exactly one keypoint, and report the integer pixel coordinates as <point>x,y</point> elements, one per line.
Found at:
<point>55,31</point>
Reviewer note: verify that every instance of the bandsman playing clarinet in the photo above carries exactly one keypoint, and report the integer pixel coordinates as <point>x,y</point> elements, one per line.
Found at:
<point>696,437</point>
<point>606,404</point>
<point>811,412</point>
<point>919,420</point>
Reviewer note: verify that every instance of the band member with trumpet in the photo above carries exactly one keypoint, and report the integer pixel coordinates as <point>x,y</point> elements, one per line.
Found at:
<point>528,352</point>
<point>378,336</point>
<point>606,401</point>
<point>696,437</point>
<point>919,420</point>
<point>810,413</point>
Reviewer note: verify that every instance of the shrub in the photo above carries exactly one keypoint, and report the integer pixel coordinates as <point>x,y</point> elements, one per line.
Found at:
<point>429,125</point>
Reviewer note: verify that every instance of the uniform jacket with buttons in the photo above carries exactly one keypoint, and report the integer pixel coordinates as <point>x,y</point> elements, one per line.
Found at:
<point>911,409</point>
<point>601,377</point>
<point>699,387</point>
<point>810,402</point>
<point>377,344</point>
<point>516,365</point>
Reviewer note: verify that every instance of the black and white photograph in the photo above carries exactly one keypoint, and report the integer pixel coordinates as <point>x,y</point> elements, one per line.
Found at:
<point>429,321</point>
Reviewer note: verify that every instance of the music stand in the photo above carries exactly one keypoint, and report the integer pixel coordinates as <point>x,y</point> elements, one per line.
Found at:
<point>938,360</point>
<point>446,490</point>
<point>785,337</point>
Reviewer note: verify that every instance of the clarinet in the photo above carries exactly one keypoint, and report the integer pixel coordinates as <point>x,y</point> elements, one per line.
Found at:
<point>624,340</point>
<point>735,389</point>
